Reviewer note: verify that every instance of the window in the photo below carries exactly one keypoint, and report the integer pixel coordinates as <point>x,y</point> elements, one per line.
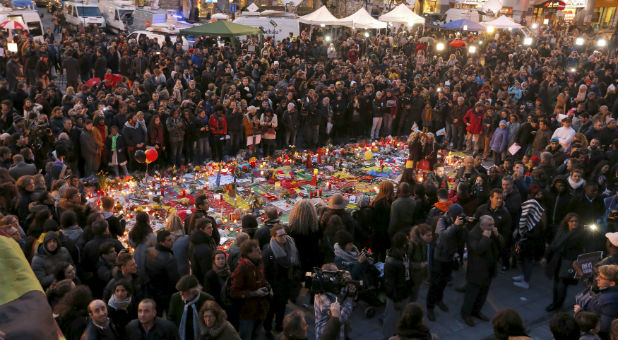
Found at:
<point>35,28</point>
<point>88,11</point>
<point>17,18</point>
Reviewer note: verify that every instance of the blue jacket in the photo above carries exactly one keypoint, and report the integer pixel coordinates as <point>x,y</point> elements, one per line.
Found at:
<point>499,140</point>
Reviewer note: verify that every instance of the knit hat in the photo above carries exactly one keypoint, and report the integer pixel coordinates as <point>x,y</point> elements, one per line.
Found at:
<point>613,238</point>
<point>454,210</point>
<point>503,122</point>
<point>186,283</point>
<point>554,139</point>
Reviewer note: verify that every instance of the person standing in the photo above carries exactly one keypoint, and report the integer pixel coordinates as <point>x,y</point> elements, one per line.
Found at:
<point>396,282</point>
<point>282,268</point>
<point>218,128</point>
<point>484,244</point>
<point>185,305</point>
<point>250,287</point>
<point>162,270</point>
<point>90,149</point>
<point>450,233</point>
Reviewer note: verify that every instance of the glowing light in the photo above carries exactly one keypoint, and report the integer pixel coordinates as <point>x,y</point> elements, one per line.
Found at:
<point>12,47</point>
<point>527,41</point>
<point>366,34</point>
<point>328,38</point>
<point>322,25</point>
<point>535,26</point>
<point>601,43</point>
<point>472,49</point>
<point>490,29</point>
<point>440,46</point>
<point>465,27</point>
<point>579,41</point>
<point>545,21</point>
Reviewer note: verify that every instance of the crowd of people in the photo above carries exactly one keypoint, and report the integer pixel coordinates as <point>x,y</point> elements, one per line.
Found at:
<point>543,117</point>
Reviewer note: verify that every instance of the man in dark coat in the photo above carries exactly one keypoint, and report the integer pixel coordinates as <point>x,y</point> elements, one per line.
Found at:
<point>495,208</point>
<point>71,66</point>
<point>99,327</point>
<point>202,206</point>
<point>484,243</point>
<point>148,325</point>
<point>188,301</point>
<point>162,270</point>
<point>402,211</point>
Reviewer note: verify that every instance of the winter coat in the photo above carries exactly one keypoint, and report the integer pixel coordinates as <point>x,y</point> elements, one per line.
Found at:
<point>120,151</point>
<point>161,329</point>
<point>162,272</point>
<point>483,254</point>
<point>475,120</point>
<point>222,330</point>
<point>155,135</point>
<point>177,305</point>
<point>449,235</point>
<point>605,306</point>
<point>201,253</point>
<point>541,140</point>
<point>402,214</point>
<point>499,140</point>
<point>133,135</point>
<point>217,127</point>
<point>248,277</point>
<point>176,129</point>
<point>44,263</point>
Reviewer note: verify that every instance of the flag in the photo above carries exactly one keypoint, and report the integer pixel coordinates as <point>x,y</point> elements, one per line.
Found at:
<point>218,180</point>
<point>414,127</point>
<point>24,310</point>
<point>441,132</point>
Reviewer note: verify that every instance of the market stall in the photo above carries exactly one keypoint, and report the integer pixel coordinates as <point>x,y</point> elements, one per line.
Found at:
<point>402,14</point>
<point>362,19</point>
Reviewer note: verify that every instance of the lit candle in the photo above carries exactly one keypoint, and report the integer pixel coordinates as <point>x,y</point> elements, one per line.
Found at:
<point>315,171</point>
<point>320,192</point>
<point>184,192</point>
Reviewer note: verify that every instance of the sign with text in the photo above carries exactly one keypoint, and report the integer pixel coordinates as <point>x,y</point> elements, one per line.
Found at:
<point>587,261</point>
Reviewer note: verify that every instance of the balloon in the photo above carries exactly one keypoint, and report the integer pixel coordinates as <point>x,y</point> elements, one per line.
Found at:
<point>151,155</point>
<point>368,155</point>
<point>140,156</point>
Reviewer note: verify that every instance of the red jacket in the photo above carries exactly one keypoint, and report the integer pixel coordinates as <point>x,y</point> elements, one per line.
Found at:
<point>246,278</point>
<point>475,120</point>
<point>215,127</point>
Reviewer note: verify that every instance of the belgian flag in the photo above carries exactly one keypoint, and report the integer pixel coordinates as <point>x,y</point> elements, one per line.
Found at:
<point>24,310</point>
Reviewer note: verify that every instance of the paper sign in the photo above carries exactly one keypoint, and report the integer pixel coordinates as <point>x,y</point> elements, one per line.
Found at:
<point>257,138</point>
<point>514,148</point>
<point>587,261</point>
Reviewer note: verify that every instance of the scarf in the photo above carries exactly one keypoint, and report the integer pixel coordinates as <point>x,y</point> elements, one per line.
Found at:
<point>183,320</point>
<point>118,304</point>
<point>575,185</point>
<point>114,139</point>
<point>351,256</point>
<point>531,212</point>
<point>287,256</point>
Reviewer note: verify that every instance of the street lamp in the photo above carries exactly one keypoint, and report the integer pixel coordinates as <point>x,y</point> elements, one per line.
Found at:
<point>440,46</point>
<point>601,42</point>
<point>490,29</point>
<point>527,41</point>
<point>579,41</point>
<point>472,49</point>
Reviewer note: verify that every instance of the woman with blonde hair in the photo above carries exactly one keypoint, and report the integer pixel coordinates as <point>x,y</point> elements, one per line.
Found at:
<point>382,212</point>
<point>174,225</point>
<point>303,228</point>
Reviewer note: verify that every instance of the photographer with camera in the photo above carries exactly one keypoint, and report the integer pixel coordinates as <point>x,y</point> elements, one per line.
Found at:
<point>326,298</point>
<point>502,218</point>
<point>484,243</point>
<point>450,231</point>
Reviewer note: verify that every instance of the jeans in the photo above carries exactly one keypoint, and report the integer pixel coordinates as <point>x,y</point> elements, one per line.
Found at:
<point>276,311</point>
<point>289,137</point>
<point>527,264</point>
<point>189,150</point>
<point>235,142</point>
<point>203,149</point>
<point>391,317</point>
<point>176,152</point>
<point>249,329</point>
<point>474,298</point>
<point>375,128</point>
<point>387,124</point>
<point>438,279</point>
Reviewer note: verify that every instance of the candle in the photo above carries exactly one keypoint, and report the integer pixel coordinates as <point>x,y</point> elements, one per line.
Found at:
<point>184,192</point>
<point>319,155</point>
<point>320,192</point>
<point>330,185</point>
<point>162,191</point>
<point>311,194</point>
<point>315,171</point>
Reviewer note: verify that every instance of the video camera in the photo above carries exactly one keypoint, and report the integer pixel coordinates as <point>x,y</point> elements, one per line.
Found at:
<point>337,282</point>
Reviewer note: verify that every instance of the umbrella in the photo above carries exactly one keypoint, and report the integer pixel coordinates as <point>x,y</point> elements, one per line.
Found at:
<point>457,43</point>
<point>12,25</point>
<point>428,40</point>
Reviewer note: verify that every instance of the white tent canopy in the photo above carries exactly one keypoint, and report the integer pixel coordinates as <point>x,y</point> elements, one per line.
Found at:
<point>322,17</point>
<point>402,14</point>
<point>501,23</point>
<point>362,19</point>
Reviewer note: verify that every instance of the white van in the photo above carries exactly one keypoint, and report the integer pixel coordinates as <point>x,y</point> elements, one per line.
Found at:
<point>78,13</point>
<point>28,17</point>
<point>160,35</point>
<point>118,14</point>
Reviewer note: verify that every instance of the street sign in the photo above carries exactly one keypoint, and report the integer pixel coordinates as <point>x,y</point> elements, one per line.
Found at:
<point>233,7</point>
